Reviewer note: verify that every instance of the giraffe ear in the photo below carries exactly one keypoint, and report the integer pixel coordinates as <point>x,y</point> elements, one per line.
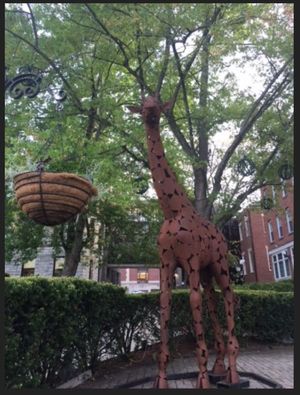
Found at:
<point>167,105</point>
<point>135,109</point>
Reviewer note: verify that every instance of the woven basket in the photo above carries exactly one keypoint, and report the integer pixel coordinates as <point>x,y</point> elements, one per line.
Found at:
<point>52,198</point>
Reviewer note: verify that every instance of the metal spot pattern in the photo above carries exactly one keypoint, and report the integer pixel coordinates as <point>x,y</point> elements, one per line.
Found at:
<point>193,243</point>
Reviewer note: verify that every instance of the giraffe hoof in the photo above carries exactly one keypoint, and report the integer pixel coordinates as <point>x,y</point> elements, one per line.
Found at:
<point>161,383</point>
<point>232,377</point>
<point>219,369</point>
<point>203,381</point>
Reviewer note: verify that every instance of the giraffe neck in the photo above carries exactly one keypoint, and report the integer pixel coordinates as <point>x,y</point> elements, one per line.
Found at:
<point>171,195</point>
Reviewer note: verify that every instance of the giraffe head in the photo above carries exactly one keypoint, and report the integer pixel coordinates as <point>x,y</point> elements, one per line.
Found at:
<point>151,109</point>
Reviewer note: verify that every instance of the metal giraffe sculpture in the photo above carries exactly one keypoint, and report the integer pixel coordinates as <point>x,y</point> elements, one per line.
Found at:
<point>193,243</point>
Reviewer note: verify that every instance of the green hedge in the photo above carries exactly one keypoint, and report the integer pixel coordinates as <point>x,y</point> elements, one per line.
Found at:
<point>52,324</point>
<point>280,286</point>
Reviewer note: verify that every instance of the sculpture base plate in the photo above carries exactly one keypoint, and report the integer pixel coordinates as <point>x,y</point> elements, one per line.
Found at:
<point>242,384</point>
<point>193,376</point>
<point>214,378</point>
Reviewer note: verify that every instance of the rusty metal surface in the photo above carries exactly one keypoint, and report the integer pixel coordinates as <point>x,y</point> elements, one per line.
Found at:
<point>190,241</point>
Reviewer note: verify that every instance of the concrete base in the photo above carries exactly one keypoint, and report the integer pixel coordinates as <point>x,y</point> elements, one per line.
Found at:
<point>188,376</point>
<point>242,384</point>
<point>214,378</point>
<point>76,380</point>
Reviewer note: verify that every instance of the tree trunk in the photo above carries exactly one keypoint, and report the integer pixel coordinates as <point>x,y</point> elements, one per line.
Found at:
<point>73,246</point>
<point>200,171</point>
<point>102,274</point>
<point>200,188</point>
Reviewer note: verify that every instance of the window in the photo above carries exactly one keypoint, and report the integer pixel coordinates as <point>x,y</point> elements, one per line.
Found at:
<point>240,231</point>
<point>247,230</point>
<point>250,256</point>
<point>243,263</point>
<point>279,227</point>
<point>142,276</point>
<point>283,188</point>
<point>281,265</point>
<point>273,193</point>
<point>289,221</point>
<point>271,233</point>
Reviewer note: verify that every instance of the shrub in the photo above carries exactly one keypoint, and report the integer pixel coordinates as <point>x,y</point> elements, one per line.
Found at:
<point>52,324</point>
<point>139,323</point>
<point>280,286</point>
<point>267,316</point>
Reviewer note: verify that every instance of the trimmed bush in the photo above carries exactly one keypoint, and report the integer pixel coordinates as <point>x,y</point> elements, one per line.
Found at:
<point>268,316</point>
<point>54,324</point>
<point>280,286</point>
<point>139,325</point>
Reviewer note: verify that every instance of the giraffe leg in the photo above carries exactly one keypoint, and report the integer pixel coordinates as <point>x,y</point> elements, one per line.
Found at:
<point>166,279</point>
<point>196,306</point>
<point>223,280</point>
<point>219,366</point>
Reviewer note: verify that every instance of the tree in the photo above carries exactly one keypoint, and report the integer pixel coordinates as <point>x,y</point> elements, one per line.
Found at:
<point>215,36</point>
<point>109,55</point>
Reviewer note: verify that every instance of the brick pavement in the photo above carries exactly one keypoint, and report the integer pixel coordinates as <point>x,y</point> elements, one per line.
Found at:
<point>276,364</point>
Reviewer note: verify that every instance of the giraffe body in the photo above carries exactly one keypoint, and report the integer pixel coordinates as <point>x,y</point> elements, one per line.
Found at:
<point>195,244</point>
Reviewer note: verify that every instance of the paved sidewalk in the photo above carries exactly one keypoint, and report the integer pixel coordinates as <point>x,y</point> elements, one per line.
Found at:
<point>276,364</point>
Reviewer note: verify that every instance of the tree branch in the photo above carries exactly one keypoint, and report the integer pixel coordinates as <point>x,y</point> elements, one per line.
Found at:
<point>254,186</point>
<point>136,142</point>
<point>52,64</point>
<point>264,101</point>
<point>185,98</point>
<point>121,45</point>
<point>179,135</point>
<point>164,66</point>
<point>136,158</point>
<point>33,25</point>
<point>139,70</point>
<point>190,62</point>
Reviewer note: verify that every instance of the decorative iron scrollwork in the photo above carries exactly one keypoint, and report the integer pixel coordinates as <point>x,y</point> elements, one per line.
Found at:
<point>286,171</point>
<point>25,83</point>
<point>28,83</point>
<point>267,203</point>
<point>246,167</point>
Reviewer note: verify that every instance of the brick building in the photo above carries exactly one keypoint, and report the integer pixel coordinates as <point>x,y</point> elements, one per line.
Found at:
<point>267,237</point>
<point>138,278</point>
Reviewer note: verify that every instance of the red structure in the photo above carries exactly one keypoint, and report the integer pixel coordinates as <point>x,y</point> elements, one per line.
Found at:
<point>190,241</point>
<point>267,237</point>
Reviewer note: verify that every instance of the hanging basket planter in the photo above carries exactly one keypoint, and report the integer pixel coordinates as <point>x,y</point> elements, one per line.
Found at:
<point>267,203</point>
<point>52,198</point>
<point>246,167</point>
<point>286,171</point>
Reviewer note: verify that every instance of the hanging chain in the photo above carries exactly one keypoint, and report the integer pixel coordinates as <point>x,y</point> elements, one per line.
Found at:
<point>60,96</point>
